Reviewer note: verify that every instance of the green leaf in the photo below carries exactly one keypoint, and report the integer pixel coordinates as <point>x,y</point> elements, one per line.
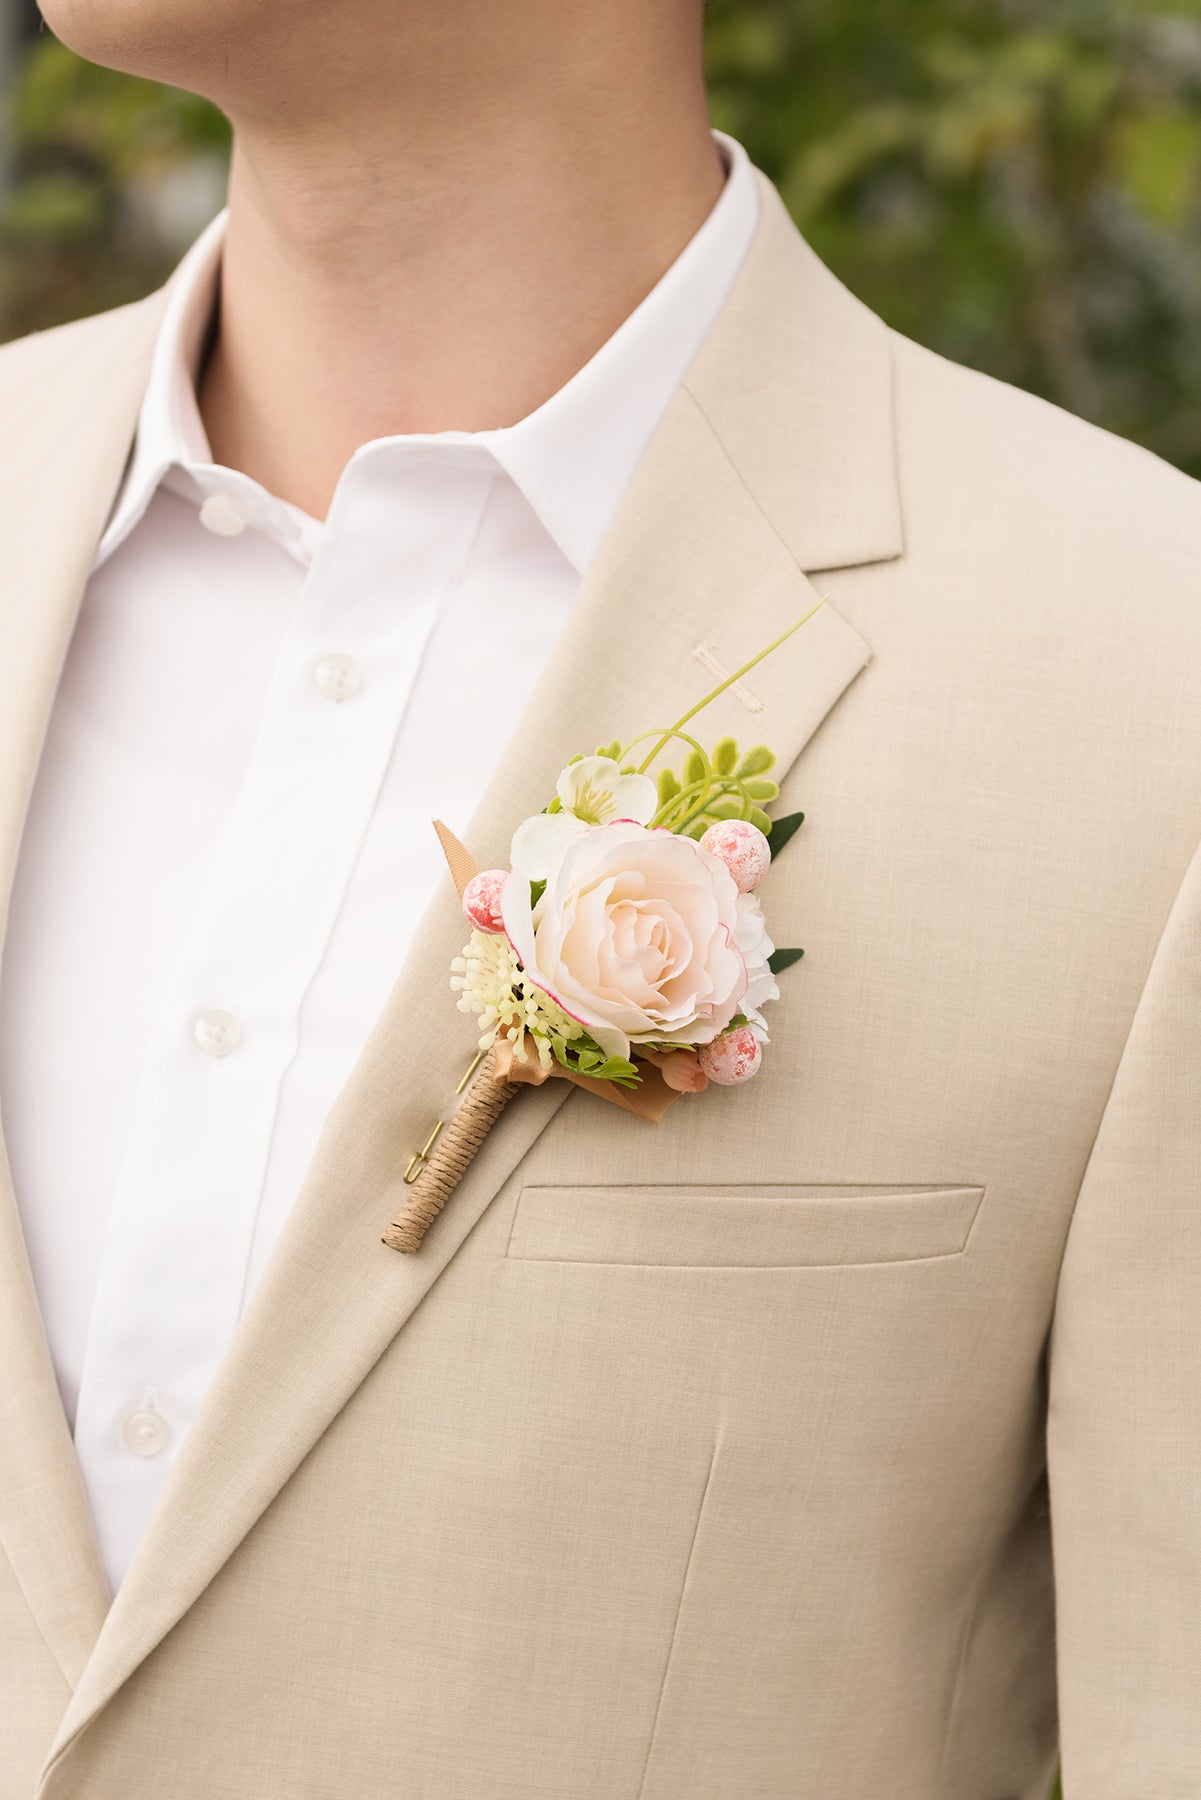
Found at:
<point>556,805</point>
<point>782,830</point>
<point>616,1068</point>
<point>694,767</point>
<point>761,789</point>
<point>760,818</point>
<point>783,959</point>
<point>725,755</point>
<point>757,761</point>
<point>669,786</point>
<point>537,889</point>
<point>728,807</point>
<point>584,1057</point>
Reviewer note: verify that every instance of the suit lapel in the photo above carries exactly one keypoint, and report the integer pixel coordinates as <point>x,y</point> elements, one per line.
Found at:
<point>693,561</point>
<point>64,450</point>
<point>796,381</point>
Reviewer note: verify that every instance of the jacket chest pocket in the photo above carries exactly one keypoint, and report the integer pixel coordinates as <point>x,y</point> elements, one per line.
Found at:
<point>748,1227</point>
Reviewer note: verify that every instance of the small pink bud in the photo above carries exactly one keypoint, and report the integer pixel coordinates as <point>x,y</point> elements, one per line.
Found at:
<point>681,1070</point>
<point>743,848</point>
<point>481,899</point>
<point>732,1057</point>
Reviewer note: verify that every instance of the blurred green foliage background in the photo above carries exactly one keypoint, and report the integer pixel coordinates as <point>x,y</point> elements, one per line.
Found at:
<point>1016,183</point>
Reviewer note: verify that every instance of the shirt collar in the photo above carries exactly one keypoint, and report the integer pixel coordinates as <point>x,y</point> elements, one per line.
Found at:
<point>572,458</point>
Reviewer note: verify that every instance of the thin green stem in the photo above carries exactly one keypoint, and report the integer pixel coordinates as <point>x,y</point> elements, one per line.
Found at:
<point>694,790</point>
<point>727,683</point>
<point>658,732</point>
<point>703,805</point>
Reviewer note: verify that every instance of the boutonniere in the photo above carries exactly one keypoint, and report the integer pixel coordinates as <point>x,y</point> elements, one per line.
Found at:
<point>625,948</point>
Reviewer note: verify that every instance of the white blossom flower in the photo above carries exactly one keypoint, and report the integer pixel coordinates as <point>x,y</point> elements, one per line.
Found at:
<point>592,791</point>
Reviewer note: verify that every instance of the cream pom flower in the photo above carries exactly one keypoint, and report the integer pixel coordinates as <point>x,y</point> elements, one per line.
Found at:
<point>489,981</point>
<point>635,936</point>
<point>591,791</point>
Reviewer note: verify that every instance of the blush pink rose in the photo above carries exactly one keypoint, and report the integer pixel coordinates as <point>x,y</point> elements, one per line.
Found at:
<point>635,936</point>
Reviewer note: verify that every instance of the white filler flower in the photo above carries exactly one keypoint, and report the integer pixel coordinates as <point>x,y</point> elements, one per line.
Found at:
<point>592,791</point>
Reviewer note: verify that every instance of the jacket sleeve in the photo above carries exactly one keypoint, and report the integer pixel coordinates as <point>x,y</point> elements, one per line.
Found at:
<point>1124,1418</point>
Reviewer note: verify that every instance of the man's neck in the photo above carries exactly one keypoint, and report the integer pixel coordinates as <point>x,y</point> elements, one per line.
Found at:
<point>411,281</point>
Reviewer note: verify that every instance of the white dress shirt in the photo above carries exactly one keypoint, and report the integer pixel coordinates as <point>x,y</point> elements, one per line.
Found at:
<point>229,846</point>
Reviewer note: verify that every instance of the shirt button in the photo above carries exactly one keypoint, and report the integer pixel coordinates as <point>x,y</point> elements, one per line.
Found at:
<point>217,1032</point>
<point>145,1432</point>
<point>222,516</point>
<point>337,677</point>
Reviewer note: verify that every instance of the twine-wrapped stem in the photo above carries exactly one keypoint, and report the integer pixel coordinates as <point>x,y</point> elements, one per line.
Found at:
<point>452,1155</point>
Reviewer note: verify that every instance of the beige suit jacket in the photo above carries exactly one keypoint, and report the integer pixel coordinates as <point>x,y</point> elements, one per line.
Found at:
<point>710,1461</point>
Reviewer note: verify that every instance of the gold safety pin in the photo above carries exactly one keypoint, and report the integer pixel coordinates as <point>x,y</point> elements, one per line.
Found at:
<point>420,1158</point>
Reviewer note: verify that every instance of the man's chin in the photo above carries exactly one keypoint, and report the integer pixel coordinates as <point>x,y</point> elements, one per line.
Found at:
<point>181,42</point>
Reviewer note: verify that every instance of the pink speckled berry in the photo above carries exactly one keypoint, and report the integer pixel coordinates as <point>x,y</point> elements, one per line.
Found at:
<point>732,1057</point>
<point>742,847</point>
<point>481,899</point>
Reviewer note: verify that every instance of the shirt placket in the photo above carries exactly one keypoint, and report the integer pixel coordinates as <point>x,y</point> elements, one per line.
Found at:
<point>184,1212</point>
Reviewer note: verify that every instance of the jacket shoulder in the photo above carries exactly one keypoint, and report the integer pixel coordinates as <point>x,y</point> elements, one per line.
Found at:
<point>1036,477</point>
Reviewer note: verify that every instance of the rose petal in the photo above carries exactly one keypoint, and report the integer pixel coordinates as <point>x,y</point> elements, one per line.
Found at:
<point>636,935</point>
